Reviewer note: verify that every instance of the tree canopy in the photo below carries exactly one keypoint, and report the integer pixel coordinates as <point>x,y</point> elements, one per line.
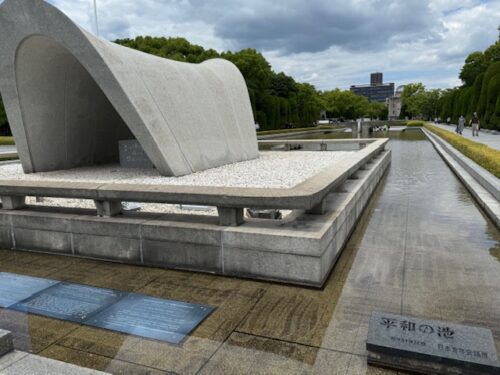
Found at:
<point>480,91</point>
<point>347,105</point>
<point>417,102</point>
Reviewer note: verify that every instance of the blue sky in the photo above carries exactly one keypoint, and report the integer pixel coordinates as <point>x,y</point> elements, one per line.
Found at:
<point>329,43</point>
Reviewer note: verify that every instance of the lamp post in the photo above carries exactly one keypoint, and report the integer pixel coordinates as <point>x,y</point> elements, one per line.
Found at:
<point>95,16</point>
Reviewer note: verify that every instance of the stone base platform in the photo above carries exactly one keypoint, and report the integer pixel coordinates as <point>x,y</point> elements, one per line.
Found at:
<point>301,249</point>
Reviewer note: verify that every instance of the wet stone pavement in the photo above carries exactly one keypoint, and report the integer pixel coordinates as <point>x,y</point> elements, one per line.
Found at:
<point>422,248</point>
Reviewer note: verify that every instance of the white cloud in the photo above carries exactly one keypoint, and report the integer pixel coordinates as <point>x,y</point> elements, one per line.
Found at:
<point>329,43</point>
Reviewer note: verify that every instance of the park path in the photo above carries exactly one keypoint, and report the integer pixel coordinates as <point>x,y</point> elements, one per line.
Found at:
<point>489,139</point>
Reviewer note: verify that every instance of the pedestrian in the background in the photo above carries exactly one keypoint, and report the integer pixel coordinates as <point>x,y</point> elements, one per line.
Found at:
<point>448,120</point>
<point>461,124</point>
<point>474,121</point>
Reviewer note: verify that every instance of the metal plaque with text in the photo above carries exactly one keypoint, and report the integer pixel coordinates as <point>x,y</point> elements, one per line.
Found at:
<point>73,302</point>
<point>151,317</point>
<point>15,288</point>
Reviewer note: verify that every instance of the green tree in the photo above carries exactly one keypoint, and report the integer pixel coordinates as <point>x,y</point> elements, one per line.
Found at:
<point>254,67</point>
<point>413,100</point>
<point>377,110</point>
<point>308,103</point>
<point>475,64</point>
<point>344,104</point>
<point>171,48</point>
<point>283,85</point>
<point>430,105</point>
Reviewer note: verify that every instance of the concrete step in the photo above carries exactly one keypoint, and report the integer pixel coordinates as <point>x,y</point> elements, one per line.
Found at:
<point>15,362</point>
<point>5,342</point>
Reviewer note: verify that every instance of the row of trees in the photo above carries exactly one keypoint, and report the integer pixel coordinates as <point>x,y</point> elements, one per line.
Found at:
<point>417,102</point>
<point>479,93</point>
<point>347,105</point>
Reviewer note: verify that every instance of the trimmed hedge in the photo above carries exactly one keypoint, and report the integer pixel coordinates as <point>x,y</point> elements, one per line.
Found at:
<point>485,156</point>
<point>7,141</point>
<point>415,123</point>
<point>284,131</point>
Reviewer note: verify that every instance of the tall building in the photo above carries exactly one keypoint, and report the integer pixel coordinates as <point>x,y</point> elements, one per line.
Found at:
<point>377,90</point>
<point>376,78</point>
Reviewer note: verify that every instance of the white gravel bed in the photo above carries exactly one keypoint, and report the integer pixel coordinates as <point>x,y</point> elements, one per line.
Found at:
<point>273,169</point>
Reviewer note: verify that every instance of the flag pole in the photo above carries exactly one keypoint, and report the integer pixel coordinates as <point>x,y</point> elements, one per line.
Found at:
<point>95,16</point>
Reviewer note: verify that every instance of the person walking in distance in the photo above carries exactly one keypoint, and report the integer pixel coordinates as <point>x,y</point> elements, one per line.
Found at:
<point>461,124</point>
<point>474,121</point>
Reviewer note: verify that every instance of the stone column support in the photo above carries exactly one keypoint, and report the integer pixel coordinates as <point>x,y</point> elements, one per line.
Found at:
<point>319,209</point>
<point>230,217</point>
<point>108,208</point>
<point>13,202</point>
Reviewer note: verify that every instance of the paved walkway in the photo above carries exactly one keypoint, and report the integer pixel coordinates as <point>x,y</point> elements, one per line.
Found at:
<point>492,140</point>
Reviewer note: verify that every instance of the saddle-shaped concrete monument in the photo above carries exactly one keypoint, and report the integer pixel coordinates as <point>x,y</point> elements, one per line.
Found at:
<point>70,97</point>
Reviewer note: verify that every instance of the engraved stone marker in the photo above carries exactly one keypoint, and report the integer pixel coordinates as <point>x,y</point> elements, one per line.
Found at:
<point>15,288</point>
<point>151,317</point>
<point>132,155</point>
<point>430,346</point>
<point>73,302</point>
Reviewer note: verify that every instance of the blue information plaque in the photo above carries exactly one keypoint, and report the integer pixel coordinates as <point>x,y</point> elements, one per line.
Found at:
<point>155,318</point>
<point>15,288</point>
<point>131,313</point>
<point>73,302</point>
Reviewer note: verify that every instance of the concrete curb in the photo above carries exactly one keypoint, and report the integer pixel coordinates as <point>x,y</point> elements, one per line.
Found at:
<point>473,179</point>
<point>481,175</point>
<point>18,362</point>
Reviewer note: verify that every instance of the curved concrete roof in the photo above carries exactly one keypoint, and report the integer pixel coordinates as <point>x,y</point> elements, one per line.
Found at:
<point>70,97</point>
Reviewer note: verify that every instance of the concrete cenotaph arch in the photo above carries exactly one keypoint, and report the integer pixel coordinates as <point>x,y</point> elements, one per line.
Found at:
<point>70,97</point>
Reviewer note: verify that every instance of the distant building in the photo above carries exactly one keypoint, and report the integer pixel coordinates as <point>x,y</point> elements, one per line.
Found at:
<point>377,90</point>
<point>394,104</point>
<point>376,78</point>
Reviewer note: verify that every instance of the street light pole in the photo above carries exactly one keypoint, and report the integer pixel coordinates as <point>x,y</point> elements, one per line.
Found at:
<point>95,15</point>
